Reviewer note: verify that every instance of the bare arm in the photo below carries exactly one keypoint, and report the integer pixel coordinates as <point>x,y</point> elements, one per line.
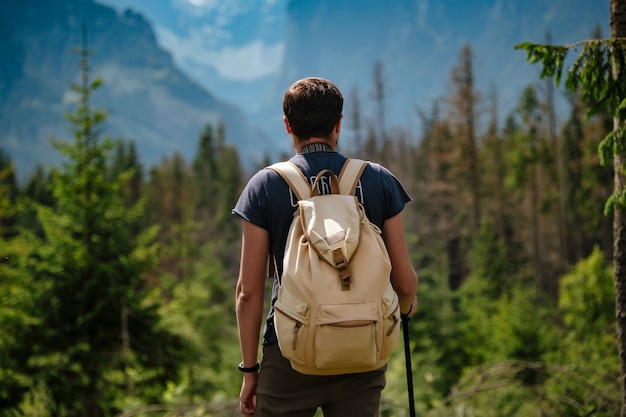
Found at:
<point>249,305</point>
<point>403,276</point>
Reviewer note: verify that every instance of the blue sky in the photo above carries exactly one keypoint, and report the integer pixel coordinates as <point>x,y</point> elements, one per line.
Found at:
<point>241,39</point>
<point>244,39</point>
<point>236,48</point>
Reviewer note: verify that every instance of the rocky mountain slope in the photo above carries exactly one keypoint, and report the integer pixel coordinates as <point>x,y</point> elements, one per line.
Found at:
<point>149,99</point>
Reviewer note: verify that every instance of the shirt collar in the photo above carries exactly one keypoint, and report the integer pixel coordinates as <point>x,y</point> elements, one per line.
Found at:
<point>315,147</point>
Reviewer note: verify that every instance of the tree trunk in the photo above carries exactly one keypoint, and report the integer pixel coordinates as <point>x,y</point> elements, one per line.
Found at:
<point>379,97</point>
<point>619,264</point>
<point>470,117</point>
<point>618,30</point>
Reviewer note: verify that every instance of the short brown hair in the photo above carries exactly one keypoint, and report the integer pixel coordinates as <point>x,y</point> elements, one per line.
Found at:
<point>313,107</point>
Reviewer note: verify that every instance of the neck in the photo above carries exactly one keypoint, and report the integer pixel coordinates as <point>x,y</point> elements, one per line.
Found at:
<point>321,143</point>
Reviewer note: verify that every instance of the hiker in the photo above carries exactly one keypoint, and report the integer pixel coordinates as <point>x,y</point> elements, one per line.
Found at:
<point>312,116</point>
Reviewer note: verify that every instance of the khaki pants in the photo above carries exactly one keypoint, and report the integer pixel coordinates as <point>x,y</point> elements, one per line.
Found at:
<point>281,391</point>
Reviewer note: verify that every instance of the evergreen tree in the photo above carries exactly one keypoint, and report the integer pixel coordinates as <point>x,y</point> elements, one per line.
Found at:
<point>126,162</point>
<point>228,187</point>
<point>204,174</point>
<point>8,185</point>
<point>98,329</point>
<point>17,300</point>
<point>463,106</point>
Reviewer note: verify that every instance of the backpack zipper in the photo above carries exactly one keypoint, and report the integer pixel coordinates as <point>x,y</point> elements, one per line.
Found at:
<point>296,330</point>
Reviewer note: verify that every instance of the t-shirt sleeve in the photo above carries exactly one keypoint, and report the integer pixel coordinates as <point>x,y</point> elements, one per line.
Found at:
<point>252,203</point>
<point>397,197</point>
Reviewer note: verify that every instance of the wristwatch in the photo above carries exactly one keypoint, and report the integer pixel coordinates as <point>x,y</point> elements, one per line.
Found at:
<point>253,368</point>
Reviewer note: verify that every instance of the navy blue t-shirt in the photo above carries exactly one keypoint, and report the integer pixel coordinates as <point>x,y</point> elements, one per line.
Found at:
<point>268,202</point>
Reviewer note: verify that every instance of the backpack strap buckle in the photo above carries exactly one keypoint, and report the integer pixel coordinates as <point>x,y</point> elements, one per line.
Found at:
<point>342,266</point>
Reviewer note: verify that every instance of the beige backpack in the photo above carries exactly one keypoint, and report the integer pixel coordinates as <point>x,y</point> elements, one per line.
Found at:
<point>336,312</point>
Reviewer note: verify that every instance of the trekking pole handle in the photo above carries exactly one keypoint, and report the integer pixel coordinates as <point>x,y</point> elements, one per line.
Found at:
<point>406,317</point>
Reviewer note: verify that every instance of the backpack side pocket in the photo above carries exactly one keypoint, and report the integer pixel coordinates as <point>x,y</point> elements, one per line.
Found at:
<point>291,320</point>
<point>391,322</point>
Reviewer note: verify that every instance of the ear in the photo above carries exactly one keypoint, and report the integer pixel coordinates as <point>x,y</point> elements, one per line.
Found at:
<point>287,126</point>
<point>338,125</point>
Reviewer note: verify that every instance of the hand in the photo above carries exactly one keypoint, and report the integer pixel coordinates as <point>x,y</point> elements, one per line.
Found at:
<point>247,396</point>
<point>406,316</point>
<point>413,307</point>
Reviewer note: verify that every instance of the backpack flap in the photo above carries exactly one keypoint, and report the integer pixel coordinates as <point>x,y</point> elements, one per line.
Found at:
<point>331,224</point>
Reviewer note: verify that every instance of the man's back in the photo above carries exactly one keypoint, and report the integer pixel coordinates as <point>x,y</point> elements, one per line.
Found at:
<point>312,110</point>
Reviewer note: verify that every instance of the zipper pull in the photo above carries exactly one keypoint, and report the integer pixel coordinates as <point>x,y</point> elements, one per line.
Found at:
<point>376,337</point>
<point>393,326</point>
<point>296,329</point>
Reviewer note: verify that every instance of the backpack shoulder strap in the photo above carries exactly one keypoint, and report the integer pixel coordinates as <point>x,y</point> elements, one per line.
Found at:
<point>294,178</point>
<point>350,175</point>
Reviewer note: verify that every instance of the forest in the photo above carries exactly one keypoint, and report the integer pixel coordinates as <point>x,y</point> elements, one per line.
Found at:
<point>117,279</point>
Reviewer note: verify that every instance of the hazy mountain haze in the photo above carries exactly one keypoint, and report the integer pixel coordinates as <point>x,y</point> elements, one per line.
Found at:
<point>171,66</point>
<point>149,99</point>
<point>250,51</point>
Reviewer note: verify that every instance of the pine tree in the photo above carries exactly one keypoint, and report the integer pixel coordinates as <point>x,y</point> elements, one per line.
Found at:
<point>17,306</point>
<point>97,327</point>
<point>463,106</point>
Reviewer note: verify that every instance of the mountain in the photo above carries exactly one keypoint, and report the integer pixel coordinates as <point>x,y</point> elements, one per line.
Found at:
<point>249,51</point>
<point>148,98</point>
<point>418,44</point>
<point>171,66</point>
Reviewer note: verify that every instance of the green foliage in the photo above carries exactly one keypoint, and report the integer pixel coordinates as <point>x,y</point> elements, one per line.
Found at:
<point>600,71</point>
<point>199,312</point>
<point>440,355</point>
<point>36,403</point>
<point>18,294</point>
<point>88,274</point>
<point>217,175</point>
<point>205,168</point>
<point>228,188</point>
<point>499,319</point>
<point>585,345</point>
<point>103,314</point>
<point>588,309</point>
<point>489,260</point>
<point>551,56</point>
<point>519,363</point>
<point>11,205</point>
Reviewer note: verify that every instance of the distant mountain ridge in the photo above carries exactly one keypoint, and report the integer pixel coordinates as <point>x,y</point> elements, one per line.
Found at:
<point>148,98</point>
<point>154,102</point>
<point>418,44</point>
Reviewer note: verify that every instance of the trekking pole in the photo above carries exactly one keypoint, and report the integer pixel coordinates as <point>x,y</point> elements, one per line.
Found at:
<point>407,357</point>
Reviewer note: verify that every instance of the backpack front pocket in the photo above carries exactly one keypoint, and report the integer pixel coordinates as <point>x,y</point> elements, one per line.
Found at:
<point>346,335</point>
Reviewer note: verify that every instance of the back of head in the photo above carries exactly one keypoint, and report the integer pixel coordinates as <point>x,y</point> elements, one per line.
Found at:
<point>313,107</point>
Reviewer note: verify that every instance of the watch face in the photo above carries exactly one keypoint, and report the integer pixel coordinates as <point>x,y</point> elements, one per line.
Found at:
<point>249,369</point>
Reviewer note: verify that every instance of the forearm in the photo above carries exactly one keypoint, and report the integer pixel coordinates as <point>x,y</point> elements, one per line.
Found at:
<point>403,276</point>
<point>249,310</point>
<point>250,290</point>
<point>407,293</point>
